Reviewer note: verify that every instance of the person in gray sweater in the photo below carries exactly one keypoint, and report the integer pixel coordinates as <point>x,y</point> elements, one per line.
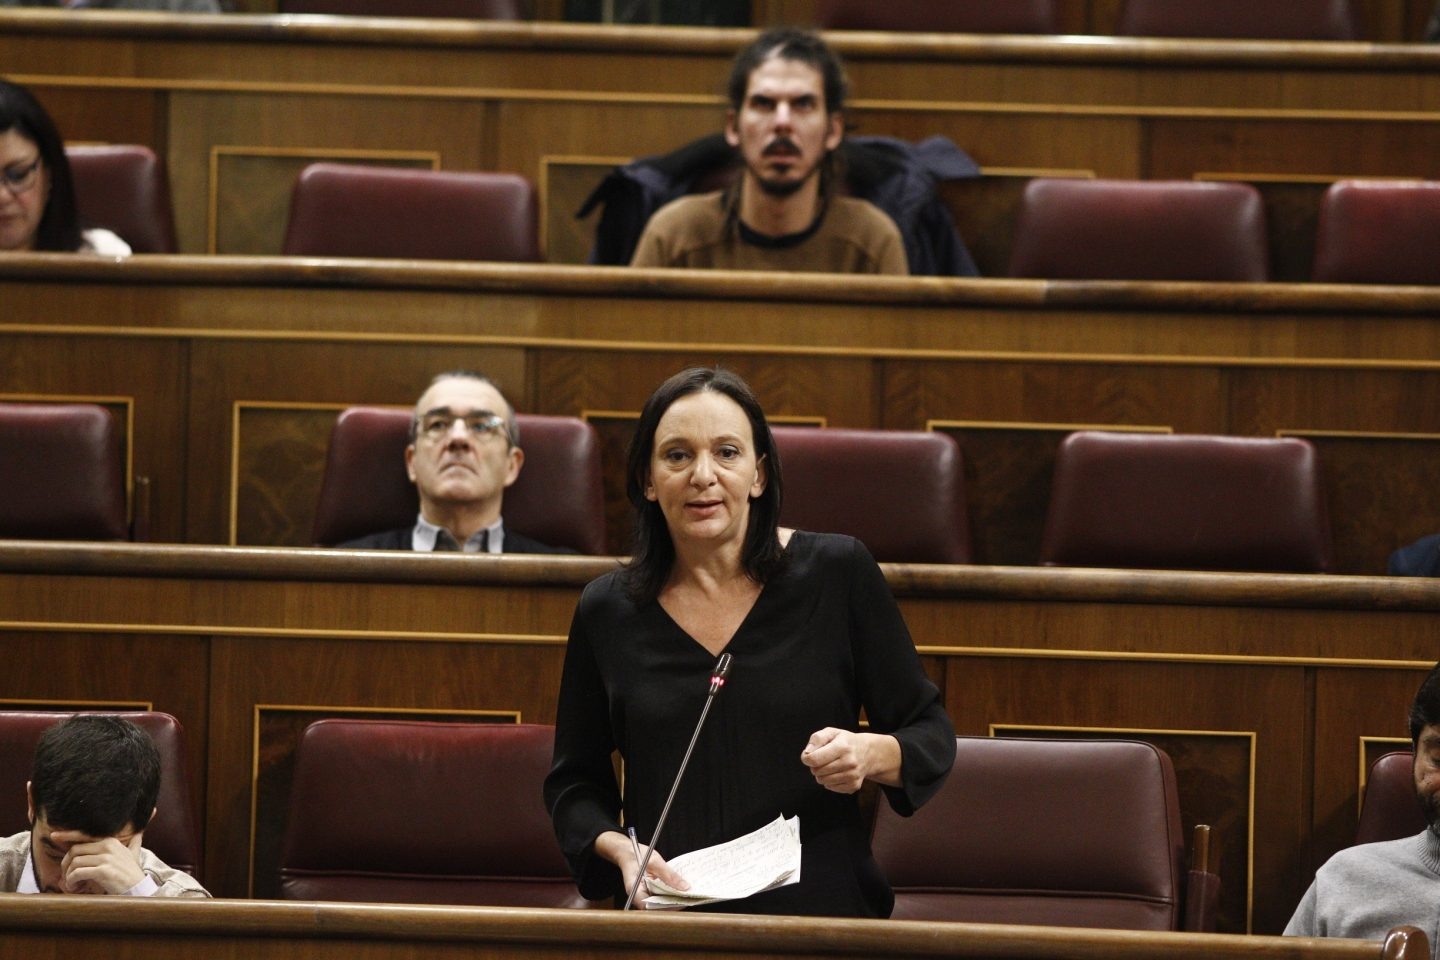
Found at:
<point>1367,889</point>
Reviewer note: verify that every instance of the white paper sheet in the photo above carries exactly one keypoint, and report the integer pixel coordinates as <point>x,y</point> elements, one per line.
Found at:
<point>765,858</point>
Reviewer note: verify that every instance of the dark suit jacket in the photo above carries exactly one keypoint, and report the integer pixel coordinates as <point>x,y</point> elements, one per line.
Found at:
<point>1419,559</point>
<point>401,538</point>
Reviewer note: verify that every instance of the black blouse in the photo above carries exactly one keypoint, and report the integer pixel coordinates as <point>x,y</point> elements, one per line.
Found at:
<point>824,639</point>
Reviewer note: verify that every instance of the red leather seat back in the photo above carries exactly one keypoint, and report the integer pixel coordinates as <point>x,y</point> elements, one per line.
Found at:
<point>1074,229</point>
<point>1188,502</point>
<point>124,188</point>
<point>1379,231</point>
<point>62,473</point>
<point>1082,833</point>
<point>559,498</point>
<point>1390,810</point>
<point>1240,19</point>
<point>419,812</point>
<point>174,834</point>
<point>469,9</point>
<point>901,492</point>
<point>352,210</point>
<point>1006,16</point>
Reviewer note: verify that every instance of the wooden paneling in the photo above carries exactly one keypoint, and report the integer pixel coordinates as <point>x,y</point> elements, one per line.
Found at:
<point>56,663</point>
<point>148,376</point>
<point>1364,472</point>
<point>503,96</point>
<point>1375,705</point>
<point>1260,687</point>
<point>202,930</point>
<point>235,367</point>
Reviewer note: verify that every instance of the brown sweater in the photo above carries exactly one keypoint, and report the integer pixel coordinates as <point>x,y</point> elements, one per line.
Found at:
<point>699,231</point>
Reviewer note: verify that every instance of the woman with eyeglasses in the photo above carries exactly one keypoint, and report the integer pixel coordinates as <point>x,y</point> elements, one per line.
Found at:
<point>37,197</point>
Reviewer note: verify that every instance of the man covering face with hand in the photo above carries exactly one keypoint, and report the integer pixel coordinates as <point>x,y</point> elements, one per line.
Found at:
<point>92,792</point>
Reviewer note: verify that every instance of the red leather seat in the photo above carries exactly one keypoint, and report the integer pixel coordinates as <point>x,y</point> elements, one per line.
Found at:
<point>469,9</point>
<point>174,834</point>
<point>558,499</point>
<point>1077,833</point>
<point>1188,502</point>
<point>1379,231</point>
<point>1074,229</point>
<point>1240,19</point>
<point>1390,810</point>
<point>994,16</point>
<point>416,812</point>
<point>62,474</point>
<point>123,188</point>
<point>352,210</point>
<point>900,492</point>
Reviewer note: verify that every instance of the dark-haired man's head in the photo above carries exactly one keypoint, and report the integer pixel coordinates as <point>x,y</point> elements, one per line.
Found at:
<point>1425,735</point>
<point>95,773</point>
<point>464,451</point>
<point>787,99</point>
<point>94,777</point>
<point>800,46</point>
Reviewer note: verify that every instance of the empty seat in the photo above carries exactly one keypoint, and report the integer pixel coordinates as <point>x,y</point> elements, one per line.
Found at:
<point>352,210</point>
<point>469,9</point>
<point>1187,502</point>
<point>1074,229</point>
<point>174,834</point>
<point>901,492</point>
<point>1379,231</point>
<point>989,846</point>
<point>558,499</point>
<point>123,188</point>
<point>62,473</point>
<point>418,812</point>
<point>996,16</point>
<point>1240,19</point>
<point>1390,809</point>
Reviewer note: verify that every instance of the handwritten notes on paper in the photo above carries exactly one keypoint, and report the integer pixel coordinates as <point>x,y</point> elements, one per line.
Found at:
<point>760,860</point>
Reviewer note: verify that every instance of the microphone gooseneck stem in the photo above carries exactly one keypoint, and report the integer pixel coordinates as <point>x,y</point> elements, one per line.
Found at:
<point>717,680</point>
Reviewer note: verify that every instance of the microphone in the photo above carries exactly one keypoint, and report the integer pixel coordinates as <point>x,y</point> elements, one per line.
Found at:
<point>717,680</point>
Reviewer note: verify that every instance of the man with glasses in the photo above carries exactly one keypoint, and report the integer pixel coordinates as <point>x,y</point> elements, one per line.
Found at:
<point>464,451</point>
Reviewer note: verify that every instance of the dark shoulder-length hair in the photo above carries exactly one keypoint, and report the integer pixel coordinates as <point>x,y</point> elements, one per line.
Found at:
<point>60,224</point>
<point>761,555</point>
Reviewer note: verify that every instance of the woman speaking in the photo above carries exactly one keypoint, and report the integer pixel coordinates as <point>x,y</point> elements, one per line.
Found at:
<point>815,637</point>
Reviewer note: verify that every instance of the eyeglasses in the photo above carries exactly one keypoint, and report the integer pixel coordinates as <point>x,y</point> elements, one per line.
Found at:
<point>437,424</point>
<point>20,180</point>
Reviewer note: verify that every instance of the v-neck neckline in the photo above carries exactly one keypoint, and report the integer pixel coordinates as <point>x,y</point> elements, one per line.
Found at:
<point>729,641</point>
<point>744,621</point>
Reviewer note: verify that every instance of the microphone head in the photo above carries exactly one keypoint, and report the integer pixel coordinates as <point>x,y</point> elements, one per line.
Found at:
<point>721,671</point>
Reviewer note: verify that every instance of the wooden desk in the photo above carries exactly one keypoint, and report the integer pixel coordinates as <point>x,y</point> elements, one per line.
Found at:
<point>230,371</point>
<point>238,104</point>
<point>1270,693</point>
<point>201,930</point>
